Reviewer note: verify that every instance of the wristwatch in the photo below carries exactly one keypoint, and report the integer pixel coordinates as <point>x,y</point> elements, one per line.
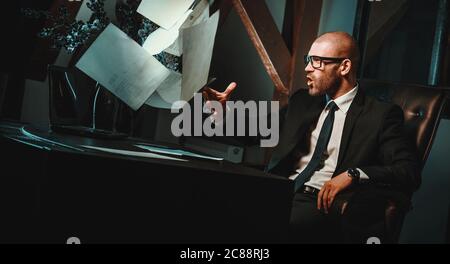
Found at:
<point>354,174</point>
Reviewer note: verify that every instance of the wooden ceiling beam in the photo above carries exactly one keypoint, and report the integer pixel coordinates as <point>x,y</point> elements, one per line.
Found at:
<point>266,38</point>
<point>305,33</point>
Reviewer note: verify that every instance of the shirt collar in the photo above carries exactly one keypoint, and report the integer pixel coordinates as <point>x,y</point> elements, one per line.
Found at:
<point>343,102</point>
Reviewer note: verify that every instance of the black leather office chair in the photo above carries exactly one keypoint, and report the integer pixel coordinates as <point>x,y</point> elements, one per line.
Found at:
<point>422,106</point>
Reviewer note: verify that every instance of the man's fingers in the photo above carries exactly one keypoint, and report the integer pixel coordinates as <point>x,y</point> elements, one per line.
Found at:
<point>325,200</point>
<point>319,199</point>
<point>230,88</point>
<point>211,94</point>
<point>205,95</point>
<point>331,196</point>
<point>211,91</point>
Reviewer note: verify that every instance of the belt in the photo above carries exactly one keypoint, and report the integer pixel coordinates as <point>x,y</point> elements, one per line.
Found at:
<point>309,190</point>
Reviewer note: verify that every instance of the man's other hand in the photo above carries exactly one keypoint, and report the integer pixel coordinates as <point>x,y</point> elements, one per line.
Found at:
<point>330,189</point>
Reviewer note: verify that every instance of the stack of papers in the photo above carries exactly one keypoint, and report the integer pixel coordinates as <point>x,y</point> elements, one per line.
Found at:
<point>174,35</point>
<point>130,71</point>
<point>177,152</point>
<point>165,13</point>
<point>132,153</point>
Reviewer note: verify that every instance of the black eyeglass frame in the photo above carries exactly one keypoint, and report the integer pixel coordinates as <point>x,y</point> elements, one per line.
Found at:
<point>308,58</point>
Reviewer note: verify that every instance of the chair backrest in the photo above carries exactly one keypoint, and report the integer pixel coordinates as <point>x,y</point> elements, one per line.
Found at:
<point>422,106</point>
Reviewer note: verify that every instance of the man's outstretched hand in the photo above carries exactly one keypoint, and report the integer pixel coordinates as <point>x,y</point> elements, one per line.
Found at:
<point>210,94</point>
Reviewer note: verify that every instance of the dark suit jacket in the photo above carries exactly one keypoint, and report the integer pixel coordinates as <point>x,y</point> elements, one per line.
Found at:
<point>372,140</point>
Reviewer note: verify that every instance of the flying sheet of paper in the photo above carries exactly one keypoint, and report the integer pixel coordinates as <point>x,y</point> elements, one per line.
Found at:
<point>167,93</point>
<point>133,153</point>
<point>177,152</point>
<point>165,13</point>
<point>123,67</point>
<point>162,38</point>
<point>200,14</point>
<point>199,43</point>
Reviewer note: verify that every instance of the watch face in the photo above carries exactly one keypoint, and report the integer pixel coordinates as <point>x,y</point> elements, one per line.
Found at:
<point>354,173</point>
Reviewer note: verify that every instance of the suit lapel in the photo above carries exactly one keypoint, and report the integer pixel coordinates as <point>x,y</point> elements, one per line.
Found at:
<point>350,121</point>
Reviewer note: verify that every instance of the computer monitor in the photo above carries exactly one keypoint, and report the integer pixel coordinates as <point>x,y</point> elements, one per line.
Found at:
<point>80,105</point>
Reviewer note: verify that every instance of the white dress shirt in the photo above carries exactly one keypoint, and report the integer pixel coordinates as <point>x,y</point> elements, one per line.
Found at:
<point>325,174</point>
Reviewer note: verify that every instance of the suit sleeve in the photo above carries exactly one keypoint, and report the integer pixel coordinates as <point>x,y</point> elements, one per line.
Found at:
<point>399,165</point>
<point>255,140</point>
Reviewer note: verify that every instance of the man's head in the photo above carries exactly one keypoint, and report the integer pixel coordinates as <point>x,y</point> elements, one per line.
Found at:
<point>332,64</point>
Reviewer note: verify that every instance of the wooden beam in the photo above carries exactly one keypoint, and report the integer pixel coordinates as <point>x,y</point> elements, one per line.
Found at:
<point>306,32</point>
<point>297,11</point>
<point>288,24</point>
<point>267,40</point>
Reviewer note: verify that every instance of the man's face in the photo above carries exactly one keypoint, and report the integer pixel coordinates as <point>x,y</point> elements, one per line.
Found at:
<point>325,79</point>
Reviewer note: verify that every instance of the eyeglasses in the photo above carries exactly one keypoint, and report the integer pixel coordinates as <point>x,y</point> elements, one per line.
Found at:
<point>316,61</point>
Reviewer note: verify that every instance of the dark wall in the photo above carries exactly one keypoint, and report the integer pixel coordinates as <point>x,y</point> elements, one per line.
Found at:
<point>18,42</point>
<point>405,53</point>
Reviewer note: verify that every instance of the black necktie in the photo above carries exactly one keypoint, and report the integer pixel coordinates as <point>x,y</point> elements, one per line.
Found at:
<point>319,153</point>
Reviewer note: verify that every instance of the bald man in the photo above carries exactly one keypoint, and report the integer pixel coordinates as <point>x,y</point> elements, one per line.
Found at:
<point>337,143</point>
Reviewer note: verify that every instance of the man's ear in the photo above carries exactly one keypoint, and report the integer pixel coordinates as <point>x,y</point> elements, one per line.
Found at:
<point>346,67</point>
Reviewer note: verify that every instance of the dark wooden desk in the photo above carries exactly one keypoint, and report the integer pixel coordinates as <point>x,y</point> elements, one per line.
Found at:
<point>49,193</point>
